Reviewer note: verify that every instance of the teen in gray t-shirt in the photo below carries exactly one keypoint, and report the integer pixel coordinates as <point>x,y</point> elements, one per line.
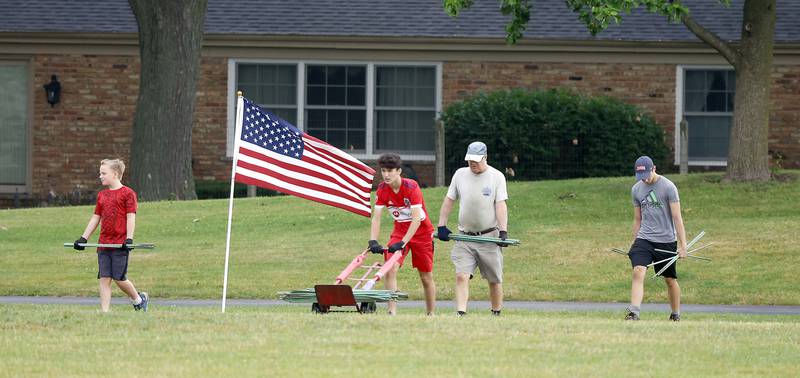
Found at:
<point>654,200</point>
<point>657,227</point>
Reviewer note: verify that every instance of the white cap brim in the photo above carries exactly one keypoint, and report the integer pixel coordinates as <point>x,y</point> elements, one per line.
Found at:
<point>476,158</point>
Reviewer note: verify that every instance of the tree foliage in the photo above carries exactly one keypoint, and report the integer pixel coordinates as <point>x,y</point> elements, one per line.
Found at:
<point>596,14</point>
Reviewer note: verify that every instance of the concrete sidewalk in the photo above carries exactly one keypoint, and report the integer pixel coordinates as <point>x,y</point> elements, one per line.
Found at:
<point>473,305</point>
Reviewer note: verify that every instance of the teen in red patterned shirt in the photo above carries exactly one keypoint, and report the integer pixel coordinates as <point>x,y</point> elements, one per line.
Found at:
<point>412,228</point>
<point>116,213</point>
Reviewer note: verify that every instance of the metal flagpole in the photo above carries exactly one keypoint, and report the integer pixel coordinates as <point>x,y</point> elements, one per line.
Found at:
<point>238,132</point>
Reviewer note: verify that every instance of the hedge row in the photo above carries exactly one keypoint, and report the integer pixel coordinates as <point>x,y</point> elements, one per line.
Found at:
<point>552,134</point>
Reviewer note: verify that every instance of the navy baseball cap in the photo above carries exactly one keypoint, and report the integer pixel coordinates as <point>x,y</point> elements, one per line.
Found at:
<point>643,167</point>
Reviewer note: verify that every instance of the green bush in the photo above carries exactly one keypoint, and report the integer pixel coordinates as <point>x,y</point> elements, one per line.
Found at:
<point>552,134</point>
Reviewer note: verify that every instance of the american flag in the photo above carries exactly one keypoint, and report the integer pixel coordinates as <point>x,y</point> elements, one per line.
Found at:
<point>274,154</point>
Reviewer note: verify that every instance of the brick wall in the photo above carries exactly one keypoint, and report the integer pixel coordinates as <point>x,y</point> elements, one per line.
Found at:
<point>784,120</point>
<point>92,121</point>
<point>95,116</point>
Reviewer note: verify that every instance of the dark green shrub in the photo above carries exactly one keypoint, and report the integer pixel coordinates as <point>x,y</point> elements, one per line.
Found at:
<point>552,134</point>
<point>222,189</point>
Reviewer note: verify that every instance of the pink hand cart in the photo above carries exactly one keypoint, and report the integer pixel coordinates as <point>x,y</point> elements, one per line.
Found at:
<point>339,294</point>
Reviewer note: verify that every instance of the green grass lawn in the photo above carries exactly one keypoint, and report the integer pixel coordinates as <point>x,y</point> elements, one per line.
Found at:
<point>283,243</point>
<point>289,341</point>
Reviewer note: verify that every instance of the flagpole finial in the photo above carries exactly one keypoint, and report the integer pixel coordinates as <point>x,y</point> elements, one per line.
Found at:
<point>239,94</point>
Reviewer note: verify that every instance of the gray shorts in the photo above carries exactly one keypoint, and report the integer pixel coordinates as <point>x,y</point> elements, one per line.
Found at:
<point>113,263</point>
<point>488,257</point>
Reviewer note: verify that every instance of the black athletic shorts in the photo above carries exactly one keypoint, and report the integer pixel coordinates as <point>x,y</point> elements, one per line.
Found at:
<point>643,252</point>
<point>112,263</point>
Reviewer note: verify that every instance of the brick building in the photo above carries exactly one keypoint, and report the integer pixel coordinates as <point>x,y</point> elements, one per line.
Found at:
<point>368,76</point>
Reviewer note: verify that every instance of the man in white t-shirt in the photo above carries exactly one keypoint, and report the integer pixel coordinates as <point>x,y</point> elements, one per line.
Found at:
<point>481,192</point>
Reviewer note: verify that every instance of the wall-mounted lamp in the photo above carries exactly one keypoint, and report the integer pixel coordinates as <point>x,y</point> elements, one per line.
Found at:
<point>53,91</point>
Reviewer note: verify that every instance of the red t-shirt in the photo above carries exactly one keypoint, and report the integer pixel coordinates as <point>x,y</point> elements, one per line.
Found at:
<point>113,207</point>
<point>400,204</point>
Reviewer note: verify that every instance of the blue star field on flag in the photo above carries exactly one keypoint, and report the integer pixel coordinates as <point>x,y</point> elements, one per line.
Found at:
<point>269,131</point>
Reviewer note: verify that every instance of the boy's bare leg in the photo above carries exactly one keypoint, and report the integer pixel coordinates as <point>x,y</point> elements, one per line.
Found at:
<point>674,293</point>
<point>430,291</point>
<point>496,295</point>
<point>128,288</point>
<point>462,291</point>
<point>637,285</point>
<point>390,283</point>
<point>105,293</point>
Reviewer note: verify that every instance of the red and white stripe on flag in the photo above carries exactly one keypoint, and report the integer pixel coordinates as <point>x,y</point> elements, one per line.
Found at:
<point>273,154</point>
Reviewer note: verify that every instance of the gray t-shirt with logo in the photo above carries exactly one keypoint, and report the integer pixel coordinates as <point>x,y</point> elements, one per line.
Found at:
<point>654,200</point>
<point>477,195</point>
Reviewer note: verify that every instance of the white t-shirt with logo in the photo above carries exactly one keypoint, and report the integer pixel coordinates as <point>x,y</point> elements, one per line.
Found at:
<point>477,195</point>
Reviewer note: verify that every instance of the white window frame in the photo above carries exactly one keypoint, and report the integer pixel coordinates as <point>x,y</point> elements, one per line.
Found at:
<point>437,105</point>
<point>24,189</point>
<point>679,91</point>
<point>301,64</point>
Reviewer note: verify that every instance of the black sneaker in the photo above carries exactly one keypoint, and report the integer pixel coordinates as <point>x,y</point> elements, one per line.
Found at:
<point>675,317</point>
<point>461,313</point>
<point>142,306</point>
<point>496,312</point>
<point>632,316</point>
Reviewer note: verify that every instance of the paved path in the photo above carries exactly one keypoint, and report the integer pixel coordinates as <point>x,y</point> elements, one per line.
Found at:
<point>474,305</point>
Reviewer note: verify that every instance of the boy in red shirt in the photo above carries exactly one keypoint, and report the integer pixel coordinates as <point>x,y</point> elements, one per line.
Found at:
<point>116,209</point>
<point>412,228</point>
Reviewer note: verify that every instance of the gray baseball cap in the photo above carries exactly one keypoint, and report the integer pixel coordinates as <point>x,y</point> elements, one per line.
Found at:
<point>643,168</point>
<point>476,151</point>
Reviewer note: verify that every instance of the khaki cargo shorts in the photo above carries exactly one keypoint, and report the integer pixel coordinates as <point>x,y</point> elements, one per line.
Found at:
<point>488,257</point>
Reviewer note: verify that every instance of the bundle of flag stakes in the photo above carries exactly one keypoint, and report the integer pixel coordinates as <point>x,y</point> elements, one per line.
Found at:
<point>671,260</point>
<point>481,239</point>
<point>310,296</point>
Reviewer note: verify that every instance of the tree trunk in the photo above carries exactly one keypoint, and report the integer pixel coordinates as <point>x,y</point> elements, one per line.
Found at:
<point>170,40</point>
<point>748,158</point>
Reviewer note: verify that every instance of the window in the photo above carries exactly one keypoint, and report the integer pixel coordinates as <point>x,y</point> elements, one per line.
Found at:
<point>708,97</point>
<point>336,107</point>
<point>361,107</point>
<point>14,97</point>
<point>405,109</point>
<point>272,86</point>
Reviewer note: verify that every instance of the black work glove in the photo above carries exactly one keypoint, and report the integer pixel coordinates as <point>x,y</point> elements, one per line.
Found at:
<point>375,247</point>
<point>443,233</point>
<point>396,247</point>
<point>80,240</point>
<point>503,236</point>
<point>126,245</point>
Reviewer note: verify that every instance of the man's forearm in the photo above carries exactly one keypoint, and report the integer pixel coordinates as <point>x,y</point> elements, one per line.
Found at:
<point>444,213</point>
<point>502,215</point>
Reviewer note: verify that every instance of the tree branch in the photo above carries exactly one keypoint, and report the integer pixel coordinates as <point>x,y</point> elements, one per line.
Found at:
<point>730,53</point>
